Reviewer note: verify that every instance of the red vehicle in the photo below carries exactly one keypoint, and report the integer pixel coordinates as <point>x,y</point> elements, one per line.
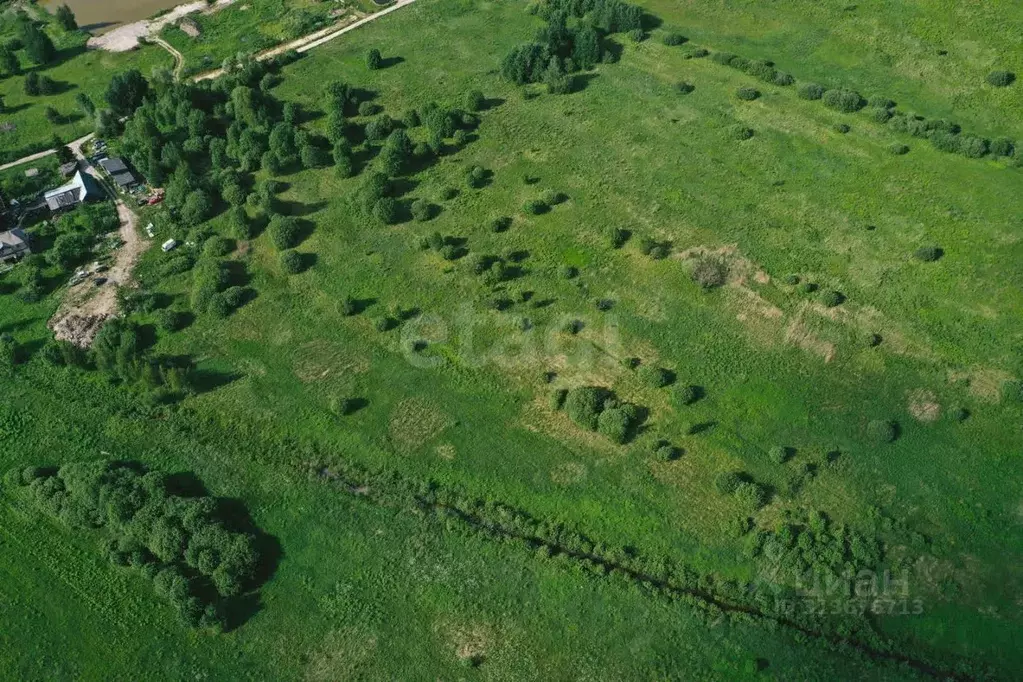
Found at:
<point>153,201</point>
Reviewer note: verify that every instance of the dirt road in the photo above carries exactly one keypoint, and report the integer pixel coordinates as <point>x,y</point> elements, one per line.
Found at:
<point>179,59</point>
<point>306,43</point>
<point>86,307</point>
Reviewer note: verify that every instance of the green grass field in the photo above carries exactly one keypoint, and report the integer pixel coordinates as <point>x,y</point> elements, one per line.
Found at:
<point>367,591</point>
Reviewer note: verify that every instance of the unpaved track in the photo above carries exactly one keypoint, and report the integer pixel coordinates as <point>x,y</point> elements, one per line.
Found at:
<point>179,59</point>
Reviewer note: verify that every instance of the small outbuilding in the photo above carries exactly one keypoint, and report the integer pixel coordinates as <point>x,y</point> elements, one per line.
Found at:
<point>119,173</point>
<point>13,245</point>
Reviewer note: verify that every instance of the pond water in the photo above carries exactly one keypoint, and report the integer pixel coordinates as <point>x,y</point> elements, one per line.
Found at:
<point>99,16</point>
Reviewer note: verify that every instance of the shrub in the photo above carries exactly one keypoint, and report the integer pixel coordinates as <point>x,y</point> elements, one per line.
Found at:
<point>655,377</point>
<point>569,272</point>
<point>534,207</point>
<point>842,128</point>
<point>687,395</point>
<point>874,340</point>
<point>783,79</point>
<point>972,147</point>
<point>500,224</point>
<point>476,176</point>
<point>882,431</point>
<point>810,91</point>
<point>373,59</point>
<point>584,405</point>
<point>1002,146</point>
<point>792,280</point>
<point>710,273</point>
<point>1001,79</point>
<point>747,94</point>
<point>666,452</point>
<point>685,88</point>
<point>474,100</point>
<point>846,101</point>
<point>881,103</point>
<point>292,262</point>
<point>284,232</point>
<point>898,149</point>
<point>741,132</point>
<point>727,482</point>
<point>169,320</point>
<point>928,254</point>
<point>617,237</point>
<point>832,298</point>
<point>673,39</point>
<point>637,35</point>
<point>750,495</point>
<point>217,246</point>
<point>779,454</point>
<point>386,210</point>
<point>808,287</point>
<point>959,414</point>
<point>879,115</point>
<point>723,58</point>
<point>697,53</point>
<point>421,210</point>
<point>615,423</point>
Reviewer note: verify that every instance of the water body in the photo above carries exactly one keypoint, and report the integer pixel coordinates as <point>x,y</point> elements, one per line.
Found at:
<point>99,16</point>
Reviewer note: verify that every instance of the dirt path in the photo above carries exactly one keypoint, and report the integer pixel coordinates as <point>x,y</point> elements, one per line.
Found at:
<point>306,43</point>
<point>179,59</point>
<point>86,307</point>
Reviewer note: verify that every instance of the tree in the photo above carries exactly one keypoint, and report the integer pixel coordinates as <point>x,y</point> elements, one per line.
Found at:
<point>386,210</point>
<point>66,18</point>
<point>292,262</point>
<point>126,92</point>
<point>9,61</point>
<point>1001,79</point>
<point>38,46</point>
<point>474,100</point>
<point>313,157</point>
<point>197,207</point>
<point>107,124</point>
<point>282,144</point>
<point>284,232</point>
<point>68,249</point>
<point>31,84</point>
<point>85,104</point>
<point>586,50</point>
<point>373,59</point>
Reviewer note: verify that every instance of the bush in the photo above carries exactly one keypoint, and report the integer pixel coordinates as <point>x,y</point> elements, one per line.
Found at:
<point>710,273</point>
<point>474,100</point>
<point>476,177</point>
<point>928,254</point>
<point>584,405</point>
<point>217,246</point>
<point>810,91</point>
<point>422,210</point>
<point>534,207</point>
<point>741,132</point>
<point>685,88</point>
<point>637,35</point>
<point>898,149</point>
<point>687,395</point>
<point>779,454</point>
<point>655,377</point>
<point>284,232</point>
<point>1001,79</point>
<point>972,147</point>
<point>617,237</point>
<point>386,210</point>
<point>832,298</point>
<point>747,94</point>
<point>615,423</point>
<point>842,128</point>
<point>557,398</point>
<point>881,431</point>
<point>666,452</point>
<point>292,262</point>
<point>808,287</point>
<point>373,59</point>
<point>879,115</point>
<point>750,495</point>
<point>169,320</point>
<point>727,482</point>
<point>783,79</point>
<point>673,39</point>
<point>792,280</point>
<point>1002,146</point>
<point>697,53</point>
<point>846,101</point>
<point>569,272</point>
<point>500,224</point>
<point>874,340</point>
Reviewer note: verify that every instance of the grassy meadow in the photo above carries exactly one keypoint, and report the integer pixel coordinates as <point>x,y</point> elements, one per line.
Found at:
<point>458,394</point>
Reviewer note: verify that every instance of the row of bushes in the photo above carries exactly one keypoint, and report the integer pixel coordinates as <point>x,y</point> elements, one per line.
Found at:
<point>195,555</point>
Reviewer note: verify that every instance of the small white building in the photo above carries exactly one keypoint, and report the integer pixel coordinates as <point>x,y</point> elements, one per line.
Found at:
<point>169,245</point>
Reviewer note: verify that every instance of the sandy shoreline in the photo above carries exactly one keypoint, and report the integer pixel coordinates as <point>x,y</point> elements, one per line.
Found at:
<point>125,38</point>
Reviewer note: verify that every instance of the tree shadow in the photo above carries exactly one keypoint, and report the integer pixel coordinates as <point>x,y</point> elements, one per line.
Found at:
<point>388,62</point>
<point>581,81</point>
<point>702,427</point>
<point>206,380</point>
<point>491,103</point>
<point>89,28</point>
<point>298,209</point>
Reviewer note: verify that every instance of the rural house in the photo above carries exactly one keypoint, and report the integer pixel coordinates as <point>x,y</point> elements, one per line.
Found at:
<point>13,245</point>
<point>81,188</point>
